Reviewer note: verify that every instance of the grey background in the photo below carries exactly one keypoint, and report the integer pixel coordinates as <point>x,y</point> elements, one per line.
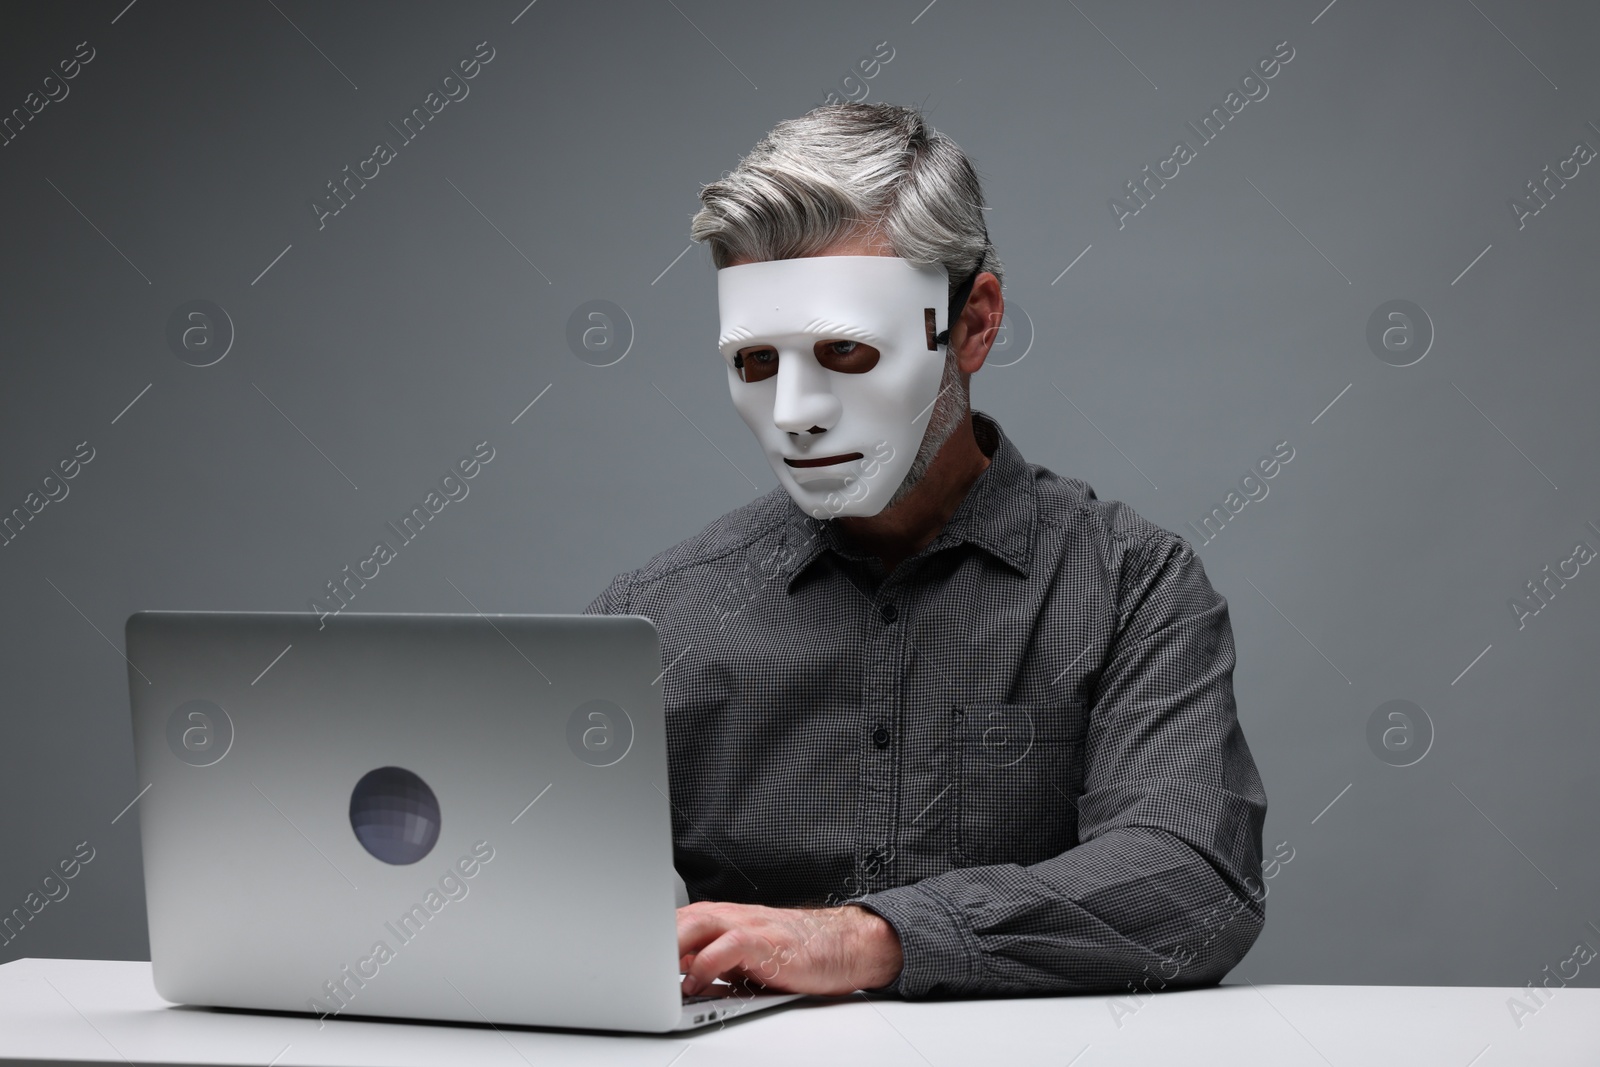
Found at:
<point>1189,342</point>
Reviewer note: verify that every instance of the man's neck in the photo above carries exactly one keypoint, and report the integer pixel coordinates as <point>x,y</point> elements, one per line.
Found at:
<point>905,529</point>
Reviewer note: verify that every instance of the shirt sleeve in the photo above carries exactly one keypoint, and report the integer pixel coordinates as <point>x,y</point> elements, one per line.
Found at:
<point>1163,889</point>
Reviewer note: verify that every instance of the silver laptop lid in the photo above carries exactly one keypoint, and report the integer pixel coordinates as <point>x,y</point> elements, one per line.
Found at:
<point>433,816</point>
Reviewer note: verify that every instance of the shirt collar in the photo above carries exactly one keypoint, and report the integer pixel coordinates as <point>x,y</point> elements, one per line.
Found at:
<point>997,514</point>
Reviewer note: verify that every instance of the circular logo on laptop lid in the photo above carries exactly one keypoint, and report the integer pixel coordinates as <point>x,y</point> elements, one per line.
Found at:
<point>395,815</point>
<point>599,732</point>
<point>199,732</point>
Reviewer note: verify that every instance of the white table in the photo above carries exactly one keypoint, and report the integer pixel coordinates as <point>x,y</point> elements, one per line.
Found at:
<point>100,1011</point>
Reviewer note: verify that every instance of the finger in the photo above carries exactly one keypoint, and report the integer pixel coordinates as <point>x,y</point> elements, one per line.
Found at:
<point>712,962</point>
<point>734,954</point>
<point>699,925</point>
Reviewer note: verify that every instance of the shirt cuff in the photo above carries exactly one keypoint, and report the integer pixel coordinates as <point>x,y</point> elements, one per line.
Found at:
<point>937,956</point>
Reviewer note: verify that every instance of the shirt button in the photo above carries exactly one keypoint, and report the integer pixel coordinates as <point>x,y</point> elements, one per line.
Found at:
<point>957,710</point>
<point>880,737</point>
<point>889,612</point>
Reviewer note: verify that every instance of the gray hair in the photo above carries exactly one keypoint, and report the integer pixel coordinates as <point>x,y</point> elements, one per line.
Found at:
<point>846,169</point>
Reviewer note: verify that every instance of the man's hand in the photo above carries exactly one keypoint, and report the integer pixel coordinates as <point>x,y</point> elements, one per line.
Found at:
<point>827,951</point>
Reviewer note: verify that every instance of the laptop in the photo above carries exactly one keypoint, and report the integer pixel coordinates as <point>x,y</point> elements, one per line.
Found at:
<point>448,817</point>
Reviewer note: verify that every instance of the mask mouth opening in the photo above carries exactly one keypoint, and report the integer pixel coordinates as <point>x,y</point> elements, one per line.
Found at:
<point>824,461</point>
<point>838,477</point>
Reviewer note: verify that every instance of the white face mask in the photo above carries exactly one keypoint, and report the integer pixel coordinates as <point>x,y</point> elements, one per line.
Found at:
<point>810,387</point>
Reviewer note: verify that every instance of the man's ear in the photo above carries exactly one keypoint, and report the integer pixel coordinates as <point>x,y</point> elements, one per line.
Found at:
<point>974,332</point>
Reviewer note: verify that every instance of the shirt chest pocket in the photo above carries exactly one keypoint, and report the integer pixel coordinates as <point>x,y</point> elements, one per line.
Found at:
<point>1020,774</point>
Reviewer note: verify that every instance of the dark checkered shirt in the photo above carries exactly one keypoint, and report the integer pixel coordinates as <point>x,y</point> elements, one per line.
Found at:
<point>1019,748</point>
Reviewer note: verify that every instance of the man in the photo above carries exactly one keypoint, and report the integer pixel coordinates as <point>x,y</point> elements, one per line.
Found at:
<point>939,720</point>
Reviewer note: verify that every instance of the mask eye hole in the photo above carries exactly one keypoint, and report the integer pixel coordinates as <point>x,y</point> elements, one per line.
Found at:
<point>757,363</point>
<point>846,356</point>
